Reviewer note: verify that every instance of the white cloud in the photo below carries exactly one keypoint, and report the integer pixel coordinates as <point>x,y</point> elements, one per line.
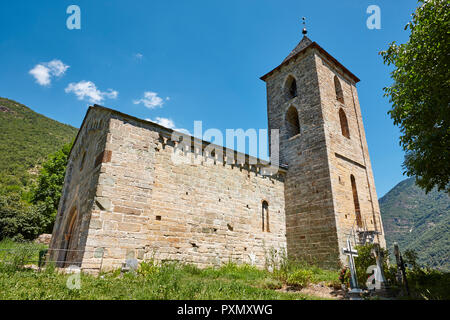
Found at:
<point>87,90</point>
<point>43,72</point>
<point>139,56</point>
<point>150,100</point>
<point>57,67</point>
<point>168,123</point>
<point>165,122</point>
<point>110,94</point>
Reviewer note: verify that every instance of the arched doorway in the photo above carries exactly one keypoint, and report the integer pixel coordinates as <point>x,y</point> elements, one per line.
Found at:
<point>68,244</point>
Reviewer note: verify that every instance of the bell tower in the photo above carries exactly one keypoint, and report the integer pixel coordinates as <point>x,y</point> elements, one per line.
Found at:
<point>329,190</point>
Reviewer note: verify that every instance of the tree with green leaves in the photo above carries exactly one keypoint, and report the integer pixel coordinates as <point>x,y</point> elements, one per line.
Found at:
<point>20,220</point>
<point>420,94</point>
<point>50,183</point>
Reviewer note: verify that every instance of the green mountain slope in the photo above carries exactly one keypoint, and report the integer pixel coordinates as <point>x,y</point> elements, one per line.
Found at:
<point>26,139</point>
<point>418,221</point>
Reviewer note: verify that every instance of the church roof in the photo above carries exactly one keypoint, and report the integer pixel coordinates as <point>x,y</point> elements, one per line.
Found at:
<point>168,132</point>
<point>304,43</point>
<point>302,46</point>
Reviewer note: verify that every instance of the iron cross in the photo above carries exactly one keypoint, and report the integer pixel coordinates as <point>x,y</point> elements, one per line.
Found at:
<point>351,253</point>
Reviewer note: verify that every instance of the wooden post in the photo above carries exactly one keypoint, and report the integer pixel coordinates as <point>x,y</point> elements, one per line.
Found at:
<point>401,267</point>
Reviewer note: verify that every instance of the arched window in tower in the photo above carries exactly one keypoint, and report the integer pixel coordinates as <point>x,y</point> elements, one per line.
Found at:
<point>292,122</point>
<point>290,88</point>
<point>356,202</point>
<point>265,216</point>
<point>338,89</point>
<point>344,124</point>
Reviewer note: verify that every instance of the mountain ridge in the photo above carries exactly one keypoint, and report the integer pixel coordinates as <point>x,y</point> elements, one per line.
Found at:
<point>418,221</point>
<point>26,140</point>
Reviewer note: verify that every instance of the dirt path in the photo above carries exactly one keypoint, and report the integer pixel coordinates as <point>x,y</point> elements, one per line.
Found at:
<point>318,290</point>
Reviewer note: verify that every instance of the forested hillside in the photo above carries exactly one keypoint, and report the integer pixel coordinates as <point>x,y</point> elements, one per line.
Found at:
<point>26,140</point>
<point>418,221</point>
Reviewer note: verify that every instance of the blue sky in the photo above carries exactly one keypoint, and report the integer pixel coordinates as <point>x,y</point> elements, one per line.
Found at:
<point>196,60</point>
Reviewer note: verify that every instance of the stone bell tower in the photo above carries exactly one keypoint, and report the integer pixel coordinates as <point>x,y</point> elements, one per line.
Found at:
<point>329,190</point>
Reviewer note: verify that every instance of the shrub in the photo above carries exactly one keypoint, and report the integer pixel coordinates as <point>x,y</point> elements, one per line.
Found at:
<point>391,275</point>
<point>364,260</point>
<point>148,268</point>
<point>20,221</point>
<point>410,258</point>
<point>300,278</point>
<point>428,284</point>
<point>299,273</point>
<point>344,276</point>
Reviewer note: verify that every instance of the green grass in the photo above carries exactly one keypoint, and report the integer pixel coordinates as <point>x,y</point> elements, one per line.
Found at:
<point>169,281</point>
<point>297,273</point>
<point>177,281</point>
<point>151,281</point>
<point>14,255</point>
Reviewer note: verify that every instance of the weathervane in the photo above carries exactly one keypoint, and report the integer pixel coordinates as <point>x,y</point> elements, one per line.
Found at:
<point>304,26</point>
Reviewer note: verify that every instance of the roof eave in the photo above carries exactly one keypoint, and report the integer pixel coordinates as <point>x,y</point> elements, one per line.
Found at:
<point>168,132</point>
<point>321,50</point>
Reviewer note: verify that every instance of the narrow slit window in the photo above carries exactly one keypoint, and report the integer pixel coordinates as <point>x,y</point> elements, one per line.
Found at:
<point>338,89</point>
<point>265,217</point>
<point>344,124</point>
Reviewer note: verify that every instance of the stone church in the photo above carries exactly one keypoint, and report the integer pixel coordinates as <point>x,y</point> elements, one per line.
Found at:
<point>124,198</point>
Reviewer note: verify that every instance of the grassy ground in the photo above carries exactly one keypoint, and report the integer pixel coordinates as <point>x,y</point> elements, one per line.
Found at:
<point>170,281</point>
<point>178,281</point>
<point>151,281</point>
<point>13,254</point>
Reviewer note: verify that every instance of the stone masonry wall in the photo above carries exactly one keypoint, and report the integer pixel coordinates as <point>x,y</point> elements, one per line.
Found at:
<point>80,185</point>
<point>310,222</point>
<point>347,156</point>
<point>208,213</point>
<point>371,181</point>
